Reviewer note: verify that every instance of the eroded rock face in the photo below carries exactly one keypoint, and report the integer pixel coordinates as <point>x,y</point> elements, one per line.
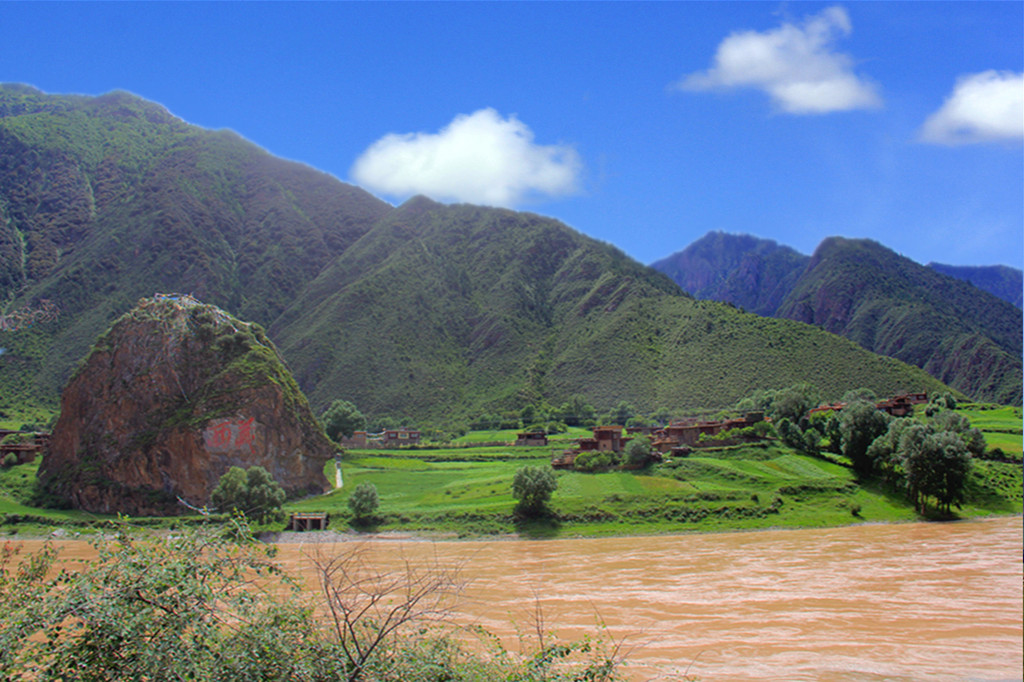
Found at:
<point>170,398</point>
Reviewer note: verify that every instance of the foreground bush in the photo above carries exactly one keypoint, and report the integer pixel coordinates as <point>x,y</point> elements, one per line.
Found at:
<point>198,606</point>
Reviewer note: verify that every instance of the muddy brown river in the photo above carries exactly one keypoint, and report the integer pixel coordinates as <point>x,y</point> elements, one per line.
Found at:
<point>869,602</point>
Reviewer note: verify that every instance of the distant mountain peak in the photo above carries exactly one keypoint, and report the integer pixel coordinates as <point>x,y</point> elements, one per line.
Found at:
<point>859,288</point>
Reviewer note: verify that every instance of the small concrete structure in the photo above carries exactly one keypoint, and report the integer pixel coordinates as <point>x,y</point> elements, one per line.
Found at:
<point>302,521</point>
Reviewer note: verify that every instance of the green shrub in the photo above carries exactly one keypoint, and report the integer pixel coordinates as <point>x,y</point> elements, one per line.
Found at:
<point>254,493</point>
<point>596,460</point>
<point>363,502</point>
<point>533,487</point>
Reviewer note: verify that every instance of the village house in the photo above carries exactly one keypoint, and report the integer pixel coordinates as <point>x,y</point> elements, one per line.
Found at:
<point>389,438</point>
<point>686,433</point>
<point>357,441</point>
<point>532,438</point>
<point>898,406</point>
<point>27,447</point>
<point>902,405</point>
<point>605,439</point>
<point>400,437</point>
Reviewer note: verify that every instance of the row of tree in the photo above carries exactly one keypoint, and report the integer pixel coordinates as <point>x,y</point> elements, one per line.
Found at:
<point>927,460</point>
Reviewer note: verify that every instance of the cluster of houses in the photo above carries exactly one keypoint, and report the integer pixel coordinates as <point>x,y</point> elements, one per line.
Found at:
<point>898,405</point>
<point>676,438</point>
<point>25,449</point>
<point>679,436</point>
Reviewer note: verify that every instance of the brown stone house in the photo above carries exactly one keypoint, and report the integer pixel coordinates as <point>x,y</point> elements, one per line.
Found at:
<point>687,432</point>
<point>28,447</point>
<point>605,439</point>
<point>610,438</point>
<point>532,438</point>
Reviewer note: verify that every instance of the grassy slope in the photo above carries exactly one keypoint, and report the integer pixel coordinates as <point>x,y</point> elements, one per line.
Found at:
<point>468,492</point>
<point>439,313</point>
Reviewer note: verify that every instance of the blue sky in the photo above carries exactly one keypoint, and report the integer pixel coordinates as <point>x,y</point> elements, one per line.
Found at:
<point>643,125</point>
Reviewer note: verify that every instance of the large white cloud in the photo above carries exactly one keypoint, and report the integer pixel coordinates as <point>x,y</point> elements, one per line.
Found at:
<point>984,107</point>
<point>796,65</point>
<point>479,158</point>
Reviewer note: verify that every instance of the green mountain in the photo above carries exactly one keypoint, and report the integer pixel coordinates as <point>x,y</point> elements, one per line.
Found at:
<point>962,335</point>
<point>889,304</point>
<point>424,311</point>
<point>1000,280</point>
<point>461,309</point>
<point>105,200</point>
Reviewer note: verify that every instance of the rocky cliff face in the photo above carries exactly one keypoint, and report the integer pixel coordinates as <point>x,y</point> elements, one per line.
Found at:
<point>170,398</point>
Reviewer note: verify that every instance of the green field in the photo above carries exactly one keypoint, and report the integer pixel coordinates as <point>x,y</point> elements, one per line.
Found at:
<point>466,491</point>
<point>1001,425</point>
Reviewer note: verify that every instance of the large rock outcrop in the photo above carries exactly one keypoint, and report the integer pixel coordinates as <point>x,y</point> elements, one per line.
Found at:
<point>173,395</point>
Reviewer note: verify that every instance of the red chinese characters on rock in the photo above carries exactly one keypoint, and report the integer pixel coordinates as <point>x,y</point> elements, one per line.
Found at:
<point>230,435</point>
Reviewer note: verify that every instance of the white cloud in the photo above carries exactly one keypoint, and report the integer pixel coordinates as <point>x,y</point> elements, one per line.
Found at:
<point>984,107</point>
<point>796,65</point>
<point>479,158</point>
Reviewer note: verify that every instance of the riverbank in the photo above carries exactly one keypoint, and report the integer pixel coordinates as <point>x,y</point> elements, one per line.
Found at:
<point>724,490</point>
<point>465,492</point>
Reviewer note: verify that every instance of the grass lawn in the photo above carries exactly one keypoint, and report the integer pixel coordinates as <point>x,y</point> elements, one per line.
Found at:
<point>467,491</point>
<point>1001,425</point>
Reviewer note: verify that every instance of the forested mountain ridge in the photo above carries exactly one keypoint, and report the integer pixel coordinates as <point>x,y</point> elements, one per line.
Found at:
<point>887,303</point>
<point>424,311</point>
<point>1000,280</point>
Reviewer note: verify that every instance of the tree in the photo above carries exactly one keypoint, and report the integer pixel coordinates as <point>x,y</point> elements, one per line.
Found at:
<point>363,501</point>
<point>373,610</point>
<point>812,441</point>
<point>254,493</point>
<point>662,416</point>
<point>794,402</point>
<point>342,419</point>
<point>957,423</point>
<point>576,411</point>
<point>182,606</point>
<point>195,605</point>
<point>860,423</point>
<point>789,433</point>
<point>855,394</point>
<point>622,412</point>
<point>638,452</point>
<point>937,464</point>
<point>596,460</point>
<point>533,487</point>
<point>265,495</point>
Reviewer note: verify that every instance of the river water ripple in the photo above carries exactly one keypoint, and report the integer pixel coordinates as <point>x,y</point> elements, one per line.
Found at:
<point>920,601</point>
